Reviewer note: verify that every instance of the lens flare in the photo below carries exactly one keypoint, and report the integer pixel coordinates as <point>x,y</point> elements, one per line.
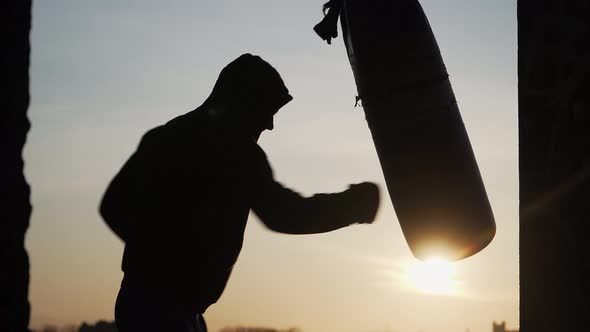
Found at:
<point>434,276</point>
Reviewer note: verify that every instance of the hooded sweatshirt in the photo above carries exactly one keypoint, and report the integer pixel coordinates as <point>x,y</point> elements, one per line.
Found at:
<point>181,201</point>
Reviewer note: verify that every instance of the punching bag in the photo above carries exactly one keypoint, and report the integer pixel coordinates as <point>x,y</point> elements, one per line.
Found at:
<point>429,167</point>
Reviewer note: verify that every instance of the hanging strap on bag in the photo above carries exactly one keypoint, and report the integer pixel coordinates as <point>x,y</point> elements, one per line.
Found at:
<point>328,27</point>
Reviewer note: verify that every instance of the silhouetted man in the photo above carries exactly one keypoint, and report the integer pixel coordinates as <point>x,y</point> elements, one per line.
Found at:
<point>181,201</point>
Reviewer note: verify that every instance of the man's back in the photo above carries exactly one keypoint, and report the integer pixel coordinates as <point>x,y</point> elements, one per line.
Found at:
<point>181,204</point>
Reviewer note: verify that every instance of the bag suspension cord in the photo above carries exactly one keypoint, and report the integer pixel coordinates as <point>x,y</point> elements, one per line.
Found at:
<point>328,27</point>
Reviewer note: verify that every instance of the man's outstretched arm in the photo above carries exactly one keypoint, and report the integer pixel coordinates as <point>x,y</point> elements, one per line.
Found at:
<point>285,211</point>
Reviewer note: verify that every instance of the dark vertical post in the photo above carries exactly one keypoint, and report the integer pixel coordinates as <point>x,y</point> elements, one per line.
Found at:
<point>554,157</point>
<point>15,208</point>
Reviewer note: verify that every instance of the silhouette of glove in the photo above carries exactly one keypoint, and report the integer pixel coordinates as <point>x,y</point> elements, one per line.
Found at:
<point>365,197</point>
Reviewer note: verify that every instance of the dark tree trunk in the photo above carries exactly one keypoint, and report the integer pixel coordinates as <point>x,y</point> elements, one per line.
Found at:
<point>15,208</point>
<point>554,156</point>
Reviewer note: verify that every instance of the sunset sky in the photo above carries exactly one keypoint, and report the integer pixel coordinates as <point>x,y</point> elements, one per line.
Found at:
<point>104,72</point>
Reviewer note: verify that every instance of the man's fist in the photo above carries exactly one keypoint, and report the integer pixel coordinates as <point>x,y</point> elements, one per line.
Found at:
<point>366,201</point>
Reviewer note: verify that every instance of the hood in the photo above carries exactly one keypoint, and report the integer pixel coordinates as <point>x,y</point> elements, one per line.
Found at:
<point>249,81</point>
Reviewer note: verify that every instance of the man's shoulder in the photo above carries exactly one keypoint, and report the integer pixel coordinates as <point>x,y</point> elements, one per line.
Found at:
<point>250,149</point>
<point>179,130</point>
<point>259,162</point>
<point>259,152</point>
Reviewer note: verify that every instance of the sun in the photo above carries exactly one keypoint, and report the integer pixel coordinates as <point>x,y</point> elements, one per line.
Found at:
<point>434,276</point>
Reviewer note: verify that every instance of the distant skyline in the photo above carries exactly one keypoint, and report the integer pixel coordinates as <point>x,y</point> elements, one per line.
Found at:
<point>103,73</point>
<point>104,326</point>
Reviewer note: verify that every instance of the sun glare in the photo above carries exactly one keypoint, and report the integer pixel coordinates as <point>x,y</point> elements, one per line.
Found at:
<point>434,276</point>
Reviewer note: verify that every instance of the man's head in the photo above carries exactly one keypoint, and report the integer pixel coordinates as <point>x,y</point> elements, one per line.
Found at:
<point>249,91</point>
